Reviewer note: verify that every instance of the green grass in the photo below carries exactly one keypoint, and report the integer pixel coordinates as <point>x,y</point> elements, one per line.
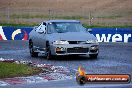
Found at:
<point>85,25</point>
<point>28,16</point>
<point>19,24</point>
<point>76,17</point>
<point>98,26</point>
<point>16,70</point>
<point>110,17</point>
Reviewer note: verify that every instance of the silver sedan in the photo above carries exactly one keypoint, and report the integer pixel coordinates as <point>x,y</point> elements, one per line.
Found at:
<point>62,37</point>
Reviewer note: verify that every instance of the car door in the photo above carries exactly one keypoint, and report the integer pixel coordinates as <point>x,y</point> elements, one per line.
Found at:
<point>36,34</point>
<point>41,36</point>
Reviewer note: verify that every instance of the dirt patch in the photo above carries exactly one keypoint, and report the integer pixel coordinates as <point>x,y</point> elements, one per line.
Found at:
<point>48,72</point>
<point>115,10</point>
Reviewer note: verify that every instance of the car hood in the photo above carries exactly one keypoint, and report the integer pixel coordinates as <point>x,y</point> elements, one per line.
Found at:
<point>71,36</point>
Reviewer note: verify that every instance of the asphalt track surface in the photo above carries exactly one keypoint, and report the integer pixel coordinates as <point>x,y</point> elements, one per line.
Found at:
<point>114,58</point>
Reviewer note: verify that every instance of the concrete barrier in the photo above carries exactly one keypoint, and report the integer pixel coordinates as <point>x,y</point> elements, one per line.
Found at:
<point>102,34</point>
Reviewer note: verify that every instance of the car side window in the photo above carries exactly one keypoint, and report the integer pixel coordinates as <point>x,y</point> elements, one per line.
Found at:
<point>51,28</point>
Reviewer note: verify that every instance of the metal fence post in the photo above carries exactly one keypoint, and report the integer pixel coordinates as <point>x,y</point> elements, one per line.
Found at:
<point>49,14</point>
<point>90,19</point>
<point>8,15</point>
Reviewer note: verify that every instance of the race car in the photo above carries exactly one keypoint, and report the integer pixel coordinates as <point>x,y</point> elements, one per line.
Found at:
<point>62,37</point>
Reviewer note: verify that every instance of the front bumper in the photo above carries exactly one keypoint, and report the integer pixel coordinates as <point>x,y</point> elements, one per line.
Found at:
<point>74,49</point>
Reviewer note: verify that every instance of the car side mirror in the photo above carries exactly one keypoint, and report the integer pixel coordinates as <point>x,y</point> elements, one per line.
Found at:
<point>89,30</point>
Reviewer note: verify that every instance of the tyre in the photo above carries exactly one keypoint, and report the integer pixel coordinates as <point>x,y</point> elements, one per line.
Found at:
<point>93,55</point>
<point>32,53</point>
<point>48,52</point>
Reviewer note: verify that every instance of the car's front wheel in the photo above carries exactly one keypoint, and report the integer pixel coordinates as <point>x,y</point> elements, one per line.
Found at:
<point>32,53</point>
<point>48,52</point>
<point>93,55</point>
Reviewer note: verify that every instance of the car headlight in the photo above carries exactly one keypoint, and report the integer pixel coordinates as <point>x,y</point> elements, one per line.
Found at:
<point>91,41</point>
<point>60,42</point>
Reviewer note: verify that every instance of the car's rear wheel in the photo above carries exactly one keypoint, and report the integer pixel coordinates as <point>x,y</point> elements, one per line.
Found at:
<point>32,53</point>
<point>48,52</point>
<point>93,55</point>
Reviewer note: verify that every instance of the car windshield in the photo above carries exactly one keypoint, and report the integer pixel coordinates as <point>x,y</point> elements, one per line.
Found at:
<point>63,27</point>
